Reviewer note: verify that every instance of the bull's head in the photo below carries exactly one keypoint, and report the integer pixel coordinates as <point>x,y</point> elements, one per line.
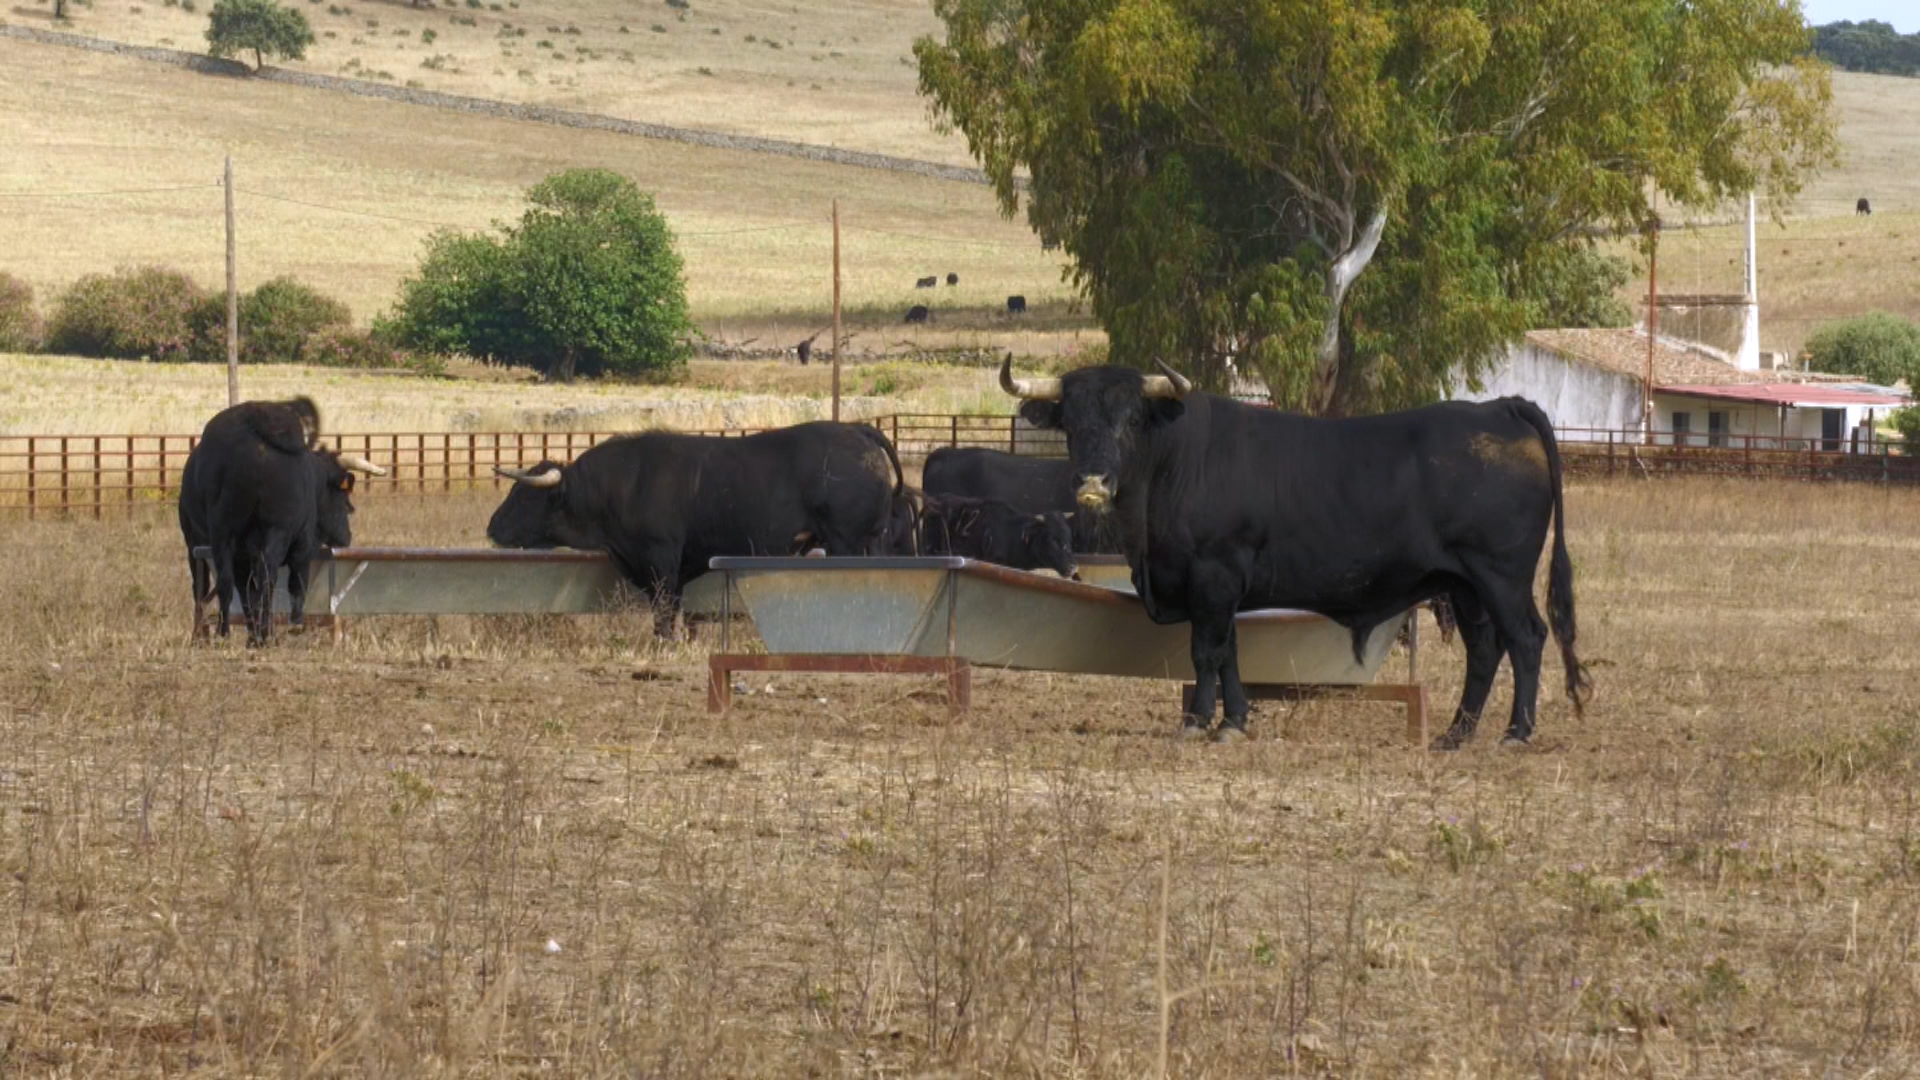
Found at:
<point>1103,411</point>
<point>333,493</point>
<point>531,514</point>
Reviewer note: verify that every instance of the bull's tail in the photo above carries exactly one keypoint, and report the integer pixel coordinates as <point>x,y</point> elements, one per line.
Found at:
<point>1560,570</point>
<point>291,427</point>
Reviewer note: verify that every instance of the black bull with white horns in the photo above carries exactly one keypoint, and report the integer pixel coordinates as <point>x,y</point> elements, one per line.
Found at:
<point>662,504</point>
<point>1224,507</point>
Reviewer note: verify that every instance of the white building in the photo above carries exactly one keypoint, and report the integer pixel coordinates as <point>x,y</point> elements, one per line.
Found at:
<point>1589,382</point>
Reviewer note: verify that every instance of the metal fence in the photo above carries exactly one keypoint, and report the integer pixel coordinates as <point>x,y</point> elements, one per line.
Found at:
<point>94,475</point>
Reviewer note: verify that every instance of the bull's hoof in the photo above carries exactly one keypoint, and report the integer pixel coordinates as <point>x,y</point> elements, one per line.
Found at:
<point>1515,742</point>
<point>1231,733</point>
<point>1192,731</point>
<point>1447,743</point>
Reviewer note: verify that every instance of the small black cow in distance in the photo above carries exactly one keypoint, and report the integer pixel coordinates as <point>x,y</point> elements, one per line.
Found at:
<point>926,283</point>
<point>663,504</point>
<point>995,532</point>
<point>918,313</point>
<point>261,494</point>
<point>1223,508</point>
<point>1016,305</point>
<point>953,278</point>
<point>1863,207</point>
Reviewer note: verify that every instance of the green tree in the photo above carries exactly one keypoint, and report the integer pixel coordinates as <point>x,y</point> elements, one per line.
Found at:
<point>1907,423</point>
<point>260,25</point>
<point>1877,346</point>
<point>1354,195</point>
<point>587,282</point>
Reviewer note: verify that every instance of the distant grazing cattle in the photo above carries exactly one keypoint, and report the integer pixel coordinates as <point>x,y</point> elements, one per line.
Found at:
<point>926,283</point>
<point>953,278</point>
<point>1863,207</point>
<point>1227,508</point>
<point>662,504</point>
<point>805,350</point>
<point>1016,305</point>
<point>992,531</point>
<point>918,313</point>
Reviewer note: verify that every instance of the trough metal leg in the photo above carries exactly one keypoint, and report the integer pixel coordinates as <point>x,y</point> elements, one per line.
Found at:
<point>1410,696</point>
<point>721,666</point>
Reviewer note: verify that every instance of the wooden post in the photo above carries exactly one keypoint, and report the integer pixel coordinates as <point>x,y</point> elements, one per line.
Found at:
<point>1653,328</point>
<point>233,300</point>
<point>836,311</point>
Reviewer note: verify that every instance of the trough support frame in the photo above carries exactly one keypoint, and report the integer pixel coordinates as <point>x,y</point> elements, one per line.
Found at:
<point>1412,696</point>
<point>721,665</point>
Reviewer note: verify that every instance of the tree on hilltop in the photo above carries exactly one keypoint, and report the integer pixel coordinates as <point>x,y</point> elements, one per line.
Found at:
<point>1358,200</point>
<point>260,25</point>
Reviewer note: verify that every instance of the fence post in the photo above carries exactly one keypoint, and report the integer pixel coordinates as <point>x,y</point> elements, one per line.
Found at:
<point>96,478</point>
<point>66,465</point>
<point>131,441</point>
<point>953,430</point>
<point>1013,434</point>
<point>33,474</point>
<point>1609,455</point>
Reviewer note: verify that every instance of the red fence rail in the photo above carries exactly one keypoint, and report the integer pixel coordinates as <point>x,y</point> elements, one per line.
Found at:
<point>93,475</point>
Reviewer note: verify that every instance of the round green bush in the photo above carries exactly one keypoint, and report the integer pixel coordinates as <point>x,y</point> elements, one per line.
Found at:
<point>134,313</point>
<point>19,323</point>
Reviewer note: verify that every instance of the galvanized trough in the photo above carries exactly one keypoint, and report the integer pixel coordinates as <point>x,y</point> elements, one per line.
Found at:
<point>945,614</point>
<point>356,581</point>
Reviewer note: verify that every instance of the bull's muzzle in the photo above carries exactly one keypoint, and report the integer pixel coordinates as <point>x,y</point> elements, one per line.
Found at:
<point>1094,493</point>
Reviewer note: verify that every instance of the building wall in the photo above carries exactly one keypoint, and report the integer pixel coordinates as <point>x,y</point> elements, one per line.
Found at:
<point>1574,396</point>
<point>1765,424</point>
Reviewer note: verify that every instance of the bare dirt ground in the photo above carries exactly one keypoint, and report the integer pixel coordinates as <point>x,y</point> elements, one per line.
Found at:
<point>464,846</point>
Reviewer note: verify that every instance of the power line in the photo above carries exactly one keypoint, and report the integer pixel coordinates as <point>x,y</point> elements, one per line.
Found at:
<point>96,194</point>
<point>349,210</point>
<point>752,229</point>
<point>933,239</point>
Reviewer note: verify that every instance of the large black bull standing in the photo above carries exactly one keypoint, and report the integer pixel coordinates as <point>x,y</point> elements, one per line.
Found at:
<point>261,494</point>
<point>663,504</point>
<point>1223,507</point>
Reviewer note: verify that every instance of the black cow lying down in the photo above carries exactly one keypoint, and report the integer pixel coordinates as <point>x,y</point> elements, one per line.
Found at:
<point>663,504</point>
<point>995,532</point>
<point>1223,507</point>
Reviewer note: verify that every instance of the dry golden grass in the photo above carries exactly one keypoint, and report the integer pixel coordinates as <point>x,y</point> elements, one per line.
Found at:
<point>833,74</point>
<point>83,122</point>
<point>52,395</point>
<point>352,860</point>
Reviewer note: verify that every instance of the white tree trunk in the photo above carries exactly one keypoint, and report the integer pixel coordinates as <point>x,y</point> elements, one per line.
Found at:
<point>1340,277</point>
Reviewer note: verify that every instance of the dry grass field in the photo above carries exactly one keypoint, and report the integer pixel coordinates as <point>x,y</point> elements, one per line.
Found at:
<point>835,74</point>
<point>48,395</point>
<point>509,847</point>
<point>370,180</point>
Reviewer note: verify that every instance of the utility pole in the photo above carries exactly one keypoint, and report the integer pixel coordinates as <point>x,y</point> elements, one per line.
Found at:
<point>233,301</point>
<point>1653,327</point>
<point>836,311</point>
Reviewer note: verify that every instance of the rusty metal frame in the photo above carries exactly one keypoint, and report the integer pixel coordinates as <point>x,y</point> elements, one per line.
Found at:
<point>721,665</point>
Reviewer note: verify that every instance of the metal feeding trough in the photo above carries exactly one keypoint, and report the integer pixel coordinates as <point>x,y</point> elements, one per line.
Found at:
<point>947,614</point>
<point>356,581</point>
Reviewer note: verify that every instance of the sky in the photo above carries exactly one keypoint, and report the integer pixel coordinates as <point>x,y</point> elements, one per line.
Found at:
<point>1903,15</point>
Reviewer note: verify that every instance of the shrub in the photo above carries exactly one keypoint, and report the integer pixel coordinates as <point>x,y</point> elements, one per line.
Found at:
<point>19,322</point>
<point>1877,346</point>
<point>587,282</point>
<point>1907,423</point>
<point>427,36</point>
<point>278,317</point>
<point>130,314</point>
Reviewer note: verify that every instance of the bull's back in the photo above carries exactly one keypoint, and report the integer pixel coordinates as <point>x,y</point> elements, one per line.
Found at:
<point>1033,485</point>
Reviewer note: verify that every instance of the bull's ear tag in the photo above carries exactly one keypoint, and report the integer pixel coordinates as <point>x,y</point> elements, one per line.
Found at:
<point>345,483</point>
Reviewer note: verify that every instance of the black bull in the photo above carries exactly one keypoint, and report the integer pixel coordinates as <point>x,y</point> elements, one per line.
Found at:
<point>1223,507</point>
<point>1031,484</point>
<point>663,504</point>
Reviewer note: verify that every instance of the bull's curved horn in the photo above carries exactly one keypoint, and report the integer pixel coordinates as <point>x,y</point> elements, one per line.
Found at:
<point>1172,384</point>
<point>1030,389</point>
<point>360,464</point>
<point>548,479</point>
